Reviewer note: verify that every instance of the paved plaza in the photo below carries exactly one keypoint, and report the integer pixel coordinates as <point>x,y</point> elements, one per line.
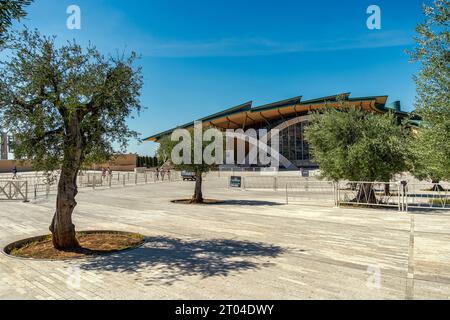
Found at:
<point>253,246</point>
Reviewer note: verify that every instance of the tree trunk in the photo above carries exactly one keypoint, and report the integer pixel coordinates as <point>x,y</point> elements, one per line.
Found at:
<point>366,194</point>
<point>198,195</point>
<point>62,228</point>
<point>387,189</point>
<point>437,186</point>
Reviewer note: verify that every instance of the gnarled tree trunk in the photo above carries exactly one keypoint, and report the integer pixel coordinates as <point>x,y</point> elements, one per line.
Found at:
<point>437,186</point>
<point>62,227</point>
<point>366,194</point>
<point>198,195</point>
<point>387,189</point>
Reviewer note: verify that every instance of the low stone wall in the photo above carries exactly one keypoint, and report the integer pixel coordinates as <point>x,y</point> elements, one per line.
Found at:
<point>120,163</point>
<point>126,162</point>
<point>6,166</point>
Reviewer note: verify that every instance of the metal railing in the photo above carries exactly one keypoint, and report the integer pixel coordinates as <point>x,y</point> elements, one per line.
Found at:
<point>14,189</point>
<point>364,194</point>
<point>259,183</point>
<point>370,194</point>
<point>43,185</point>
<point>311,192</point>
<point>426,196</point>
<point>272,182</point>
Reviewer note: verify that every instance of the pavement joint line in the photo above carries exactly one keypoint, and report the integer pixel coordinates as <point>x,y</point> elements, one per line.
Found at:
<point>409,290</point>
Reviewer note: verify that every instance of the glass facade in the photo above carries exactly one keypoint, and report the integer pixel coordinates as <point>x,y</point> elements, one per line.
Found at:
<point>293,145</point>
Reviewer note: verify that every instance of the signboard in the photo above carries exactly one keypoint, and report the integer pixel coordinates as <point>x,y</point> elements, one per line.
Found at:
<point>305,173</point>
<point>235,182</point>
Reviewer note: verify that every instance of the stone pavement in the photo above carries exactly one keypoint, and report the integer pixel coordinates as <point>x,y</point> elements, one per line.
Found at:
<point>251,247</point>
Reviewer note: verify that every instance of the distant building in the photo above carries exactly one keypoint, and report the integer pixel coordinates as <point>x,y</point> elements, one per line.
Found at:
<point>290,116</point>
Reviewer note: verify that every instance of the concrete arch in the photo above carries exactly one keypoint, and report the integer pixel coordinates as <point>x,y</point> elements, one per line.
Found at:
<point>286,124</point>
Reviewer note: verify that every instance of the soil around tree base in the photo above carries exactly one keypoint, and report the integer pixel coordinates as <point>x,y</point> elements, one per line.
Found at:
<point>92,243</point>
<point>205,201</point>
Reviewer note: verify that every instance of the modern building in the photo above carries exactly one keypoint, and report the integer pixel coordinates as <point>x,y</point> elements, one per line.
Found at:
<point>290,116</point>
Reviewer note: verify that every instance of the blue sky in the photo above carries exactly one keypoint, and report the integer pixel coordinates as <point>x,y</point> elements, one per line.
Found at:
<point>200,57</point>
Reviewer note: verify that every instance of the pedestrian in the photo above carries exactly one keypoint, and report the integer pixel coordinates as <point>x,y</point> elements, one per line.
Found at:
<point>168,174</point>
<point>14,171</point>
<point>157,174</point>
<point>103,173</point>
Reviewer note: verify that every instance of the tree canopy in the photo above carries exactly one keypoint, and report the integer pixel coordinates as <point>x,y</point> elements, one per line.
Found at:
<point>431,147</point>
<point>44,88</point>
<point>11,10</point>
<point>357,145</point>
<point>209,150</point>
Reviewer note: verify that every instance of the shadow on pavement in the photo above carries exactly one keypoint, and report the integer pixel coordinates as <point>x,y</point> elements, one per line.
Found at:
<point>163,260</point>
<point>249,203</point>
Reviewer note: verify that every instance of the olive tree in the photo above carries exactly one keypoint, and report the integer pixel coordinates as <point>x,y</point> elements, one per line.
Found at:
<point>358,146</point>
<point>66,106</point>
<point>431,147</point>
<point>11,10</point>
<point>197,158</point>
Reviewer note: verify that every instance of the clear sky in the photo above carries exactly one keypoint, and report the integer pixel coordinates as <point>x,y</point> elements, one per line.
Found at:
<point>202,56</point>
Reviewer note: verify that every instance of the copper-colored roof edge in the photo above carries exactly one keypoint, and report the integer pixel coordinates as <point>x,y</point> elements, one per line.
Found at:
<point>280,105</point>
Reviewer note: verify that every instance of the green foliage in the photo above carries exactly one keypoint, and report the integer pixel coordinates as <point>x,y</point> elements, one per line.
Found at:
<point>11,10</point>
<point>431,147</point>
<point>431,152</point>
<point>138,161</point>
<point>165,151</point>
<point>66,105</point>
<point>146,162</point>
<point>357,145</point>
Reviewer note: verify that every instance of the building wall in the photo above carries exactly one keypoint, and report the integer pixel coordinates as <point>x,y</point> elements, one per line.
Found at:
<point>120,163</point>
<point>125,162</point>
<point>6,166</point>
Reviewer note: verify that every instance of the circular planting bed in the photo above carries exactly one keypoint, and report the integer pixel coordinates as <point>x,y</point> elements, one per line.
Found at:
<point>92,243</point>
<point>205,201</point>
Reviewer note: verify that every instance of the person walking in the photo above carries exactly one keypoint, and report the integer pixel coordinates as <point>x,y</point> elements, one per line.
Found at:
<point>14,171</point>
<point>157,174</point>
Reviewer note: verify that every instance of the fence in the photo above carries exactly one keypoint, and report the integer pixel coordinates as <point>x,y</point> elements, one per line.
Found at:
<point>271,182</point>
<point>398,195</point>
<point>14,190</point>
<point>311,193</point>
<point>97,180</point>
<point>427,196</point>
<point>371,194</point>
<point>42,185</point>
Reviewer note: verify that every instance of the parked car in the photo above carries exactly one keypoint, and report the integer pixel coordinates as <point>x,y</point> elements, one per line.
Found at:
<point>189,176</point>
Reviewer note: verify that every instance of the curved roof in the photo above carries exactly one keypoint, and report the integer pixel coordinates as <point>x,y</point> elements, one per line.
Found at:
<point>244,115</point>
